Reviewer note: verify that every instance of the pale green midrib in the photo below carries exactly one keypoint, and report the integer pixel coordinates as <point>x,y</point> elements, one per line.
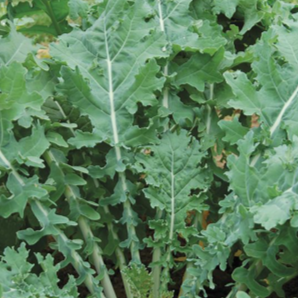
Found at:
<point>77,258</point>
<point>247,190</point>
<point>208,120</point>
<point>111,97</point>
<point>90,77</point>
<point>283,110</point>
<point>156,270</point>
<point>172,197</point>
<point>165,100</point>
<point>161,19</point>
<point>134,252</point>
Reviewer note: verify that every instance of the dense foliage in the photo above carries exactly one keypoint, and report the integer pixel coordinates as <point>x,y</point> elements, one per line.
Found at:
<point>144,138</point>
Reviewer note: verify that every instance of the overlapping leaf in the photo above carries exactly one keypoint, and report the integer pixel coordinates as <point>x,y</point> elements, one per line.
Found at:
<point>276,98</point>
<point>17,278</point>
<point>249,11</point>
<point>243,177</point>
<point>106,78</point>
<point>14,47</point>
<point>175,21</point>
<point>46,17</point>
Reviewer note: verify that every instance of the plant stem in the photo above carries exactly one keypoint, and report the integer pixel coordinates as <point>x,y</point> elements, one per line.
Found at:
<point>131,231</point>
<point>77,261</point>
<point>51,14</point>
<point>156,271</point>
<point>87,234</point>
<point>119,254</point>
<point>208,120</point>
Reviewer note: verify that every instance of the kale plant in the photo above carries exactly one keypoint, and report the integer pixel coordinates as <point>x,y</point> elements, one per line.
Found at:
<point>149,141</point>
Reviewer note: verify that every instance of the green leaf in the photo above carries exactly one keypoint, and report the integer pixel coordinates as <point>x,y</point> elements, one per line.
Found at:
<point>17,279</point>
<point>171,173</point>
<point>82,209</point>
<point>233,129</point>
<point>101,115</point>
<point>49,16</point>
<point>108,88</point>
<point>242,176</point>
<point>275,212</point>
<point>225,6</point>
<point>139,280</point>
<point>182,114</point>
<point>268,254</point>
<point>38,29</point>
<point>16,259</point>
<point>56,138</point>
<point>241,294</point>
<point>48,223</point>
<point>210,36</point>
<point>287,37</point>
<point>175,21</point>
<point>73,179</point>
<point>84,139</point>
<point>247,10</point>
<point>77,8</point>
<point>17,103</point>
<point>14,48</point>
<point>294,221</point>
<point>278,85</point>
<point>42,82</point>
<point>109,80</point>
<point>246,277</point>
<point>247,97</point>
<point>21,192</point>
<point>198,70</point>
<point>34,145</point>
